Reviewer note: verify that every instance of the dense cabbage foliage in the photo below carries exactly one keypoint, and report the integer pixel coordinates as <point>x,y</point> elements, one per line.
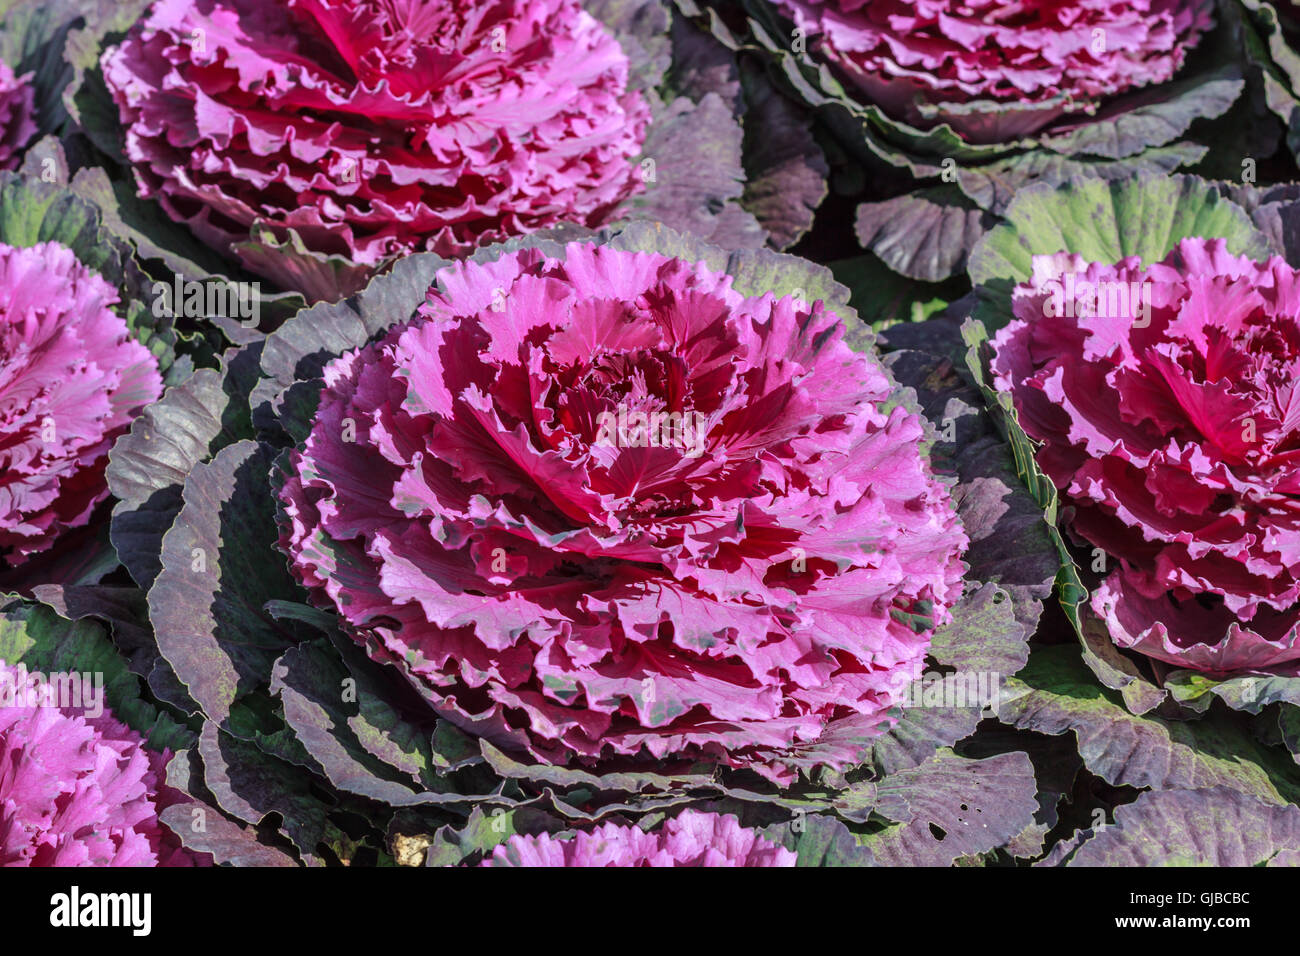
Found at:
<point>649,433</point>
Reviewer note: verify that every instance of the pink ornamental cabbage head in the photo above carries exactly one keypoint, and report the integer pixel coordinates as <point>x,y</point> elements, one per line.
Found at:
<point>691,838</point>
<point>928,61</point>
<point>376,128</point>
<point>78,790</point>
<point>606,506</point>
<point>1169,405</point>
<point>17,115</point>
<point>71,380</point>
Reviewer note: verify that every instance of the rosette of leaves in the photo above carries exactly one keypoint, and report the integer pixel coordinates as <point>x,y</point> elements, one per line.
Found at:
<point>33,212</point>
<point>696,167</point>
<point>292,709</point>
<point>34,41</point>
<point>926,193</point>
<point>1163,738</point>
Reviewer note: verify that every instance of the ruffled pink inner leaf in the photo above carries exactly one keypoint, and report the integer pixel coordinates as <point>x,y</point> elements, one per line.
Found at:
<point>691,838</point>
<point>17,115</point>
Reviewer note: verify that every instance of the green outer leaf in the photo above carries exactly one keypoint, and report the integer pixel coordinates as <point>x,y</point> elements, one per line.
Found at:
<point>311,682</point>
<point>1010,543</point>
<point>1266,45</point>
<point>821,840</point>
<point>250,784</point>
<point>211,831</point>
<point>995,185</point>
<point>1246,692</point>
<point>32,211</point>
<point>32,35</point>
<point>425,750</point>
<point>122,610</point>
<point>148,229</point>
<point>481,833</point>
<point>883,298</point>
<point>1144,216</point>
<point>87,98</point>
<point>983,635</point>
<point>1288,728</point>
<point>1154,116</point>
<point>1055,693</point>
<point>327,622</point>
<point>126,611</point>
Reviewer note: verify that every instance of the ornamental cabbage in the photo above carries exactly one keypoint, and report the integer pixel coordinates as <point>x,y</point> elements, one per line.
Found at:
<point>71,380</point>
<point>1168,402</point>
<point>370,129</point>
<point>602,506</point>
<point>77,790</point>
<point>929,61</point>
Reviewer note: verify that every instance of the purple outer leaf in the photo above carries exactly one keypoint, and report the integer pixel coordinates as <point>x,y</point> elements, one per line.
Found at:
<point>226,841</point>
<point>251,784</point>
<point>696,149</point>
<point>310,682</point>
<point>217,575</point>
<point>923,235</point>
<point>1213,827</point>
<point>785,169</point>
<point>148,466</point>
<point>976,805</point>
